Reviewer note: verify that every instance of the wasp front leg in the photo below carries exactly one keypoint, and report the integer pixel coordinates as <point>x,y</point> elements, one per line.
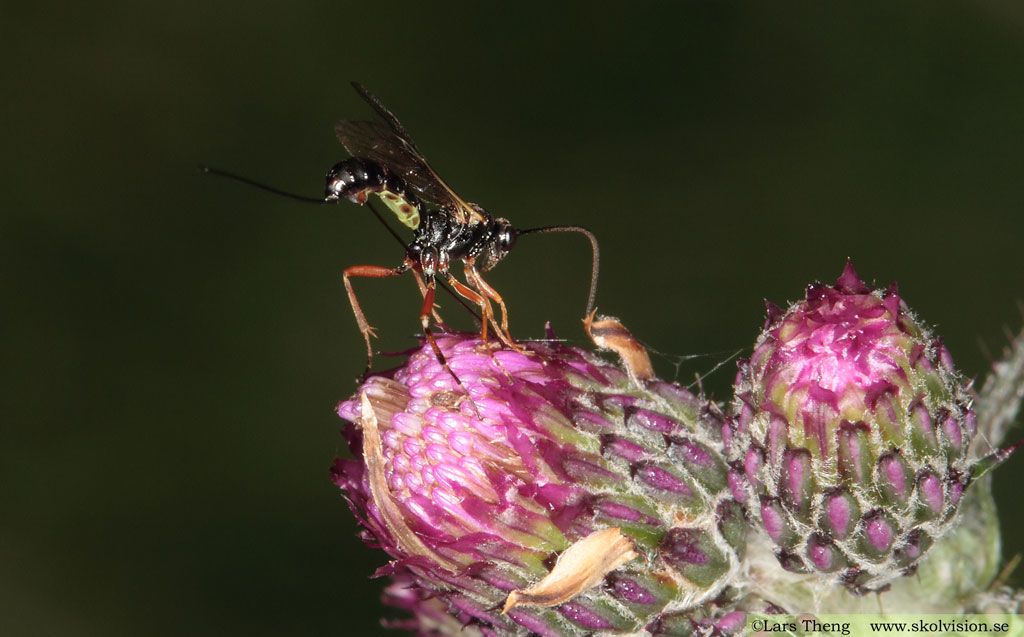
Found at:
<point>487,314</point>
<point>368,272</point>
<point>477,281</point>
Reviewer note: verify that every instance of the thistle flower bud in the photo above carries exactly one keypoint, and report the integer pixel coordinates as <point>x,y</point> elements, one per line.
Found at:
<point>567,498</point>
<point>851,433</point>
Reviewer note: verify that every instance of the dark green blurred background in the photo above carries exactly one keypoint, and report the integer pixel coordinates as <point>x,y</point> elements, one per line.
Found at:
<point>174,345</point>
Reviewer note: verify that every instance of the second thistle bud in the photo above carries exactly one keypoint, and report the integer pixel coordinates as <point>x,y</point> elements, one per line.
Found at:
<point>850,436</point>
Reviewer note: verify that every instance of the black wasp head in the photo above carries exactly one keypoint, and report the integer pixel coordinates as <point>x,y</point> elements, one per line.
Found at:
<point>501,241</point>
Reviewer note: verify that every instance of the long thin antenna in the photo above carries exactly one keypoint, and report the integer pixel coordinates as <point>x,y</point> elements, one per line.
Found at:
<point>217,172</point>
<point>593,246</point>
<point>383,222</point>
<point>209,170</point>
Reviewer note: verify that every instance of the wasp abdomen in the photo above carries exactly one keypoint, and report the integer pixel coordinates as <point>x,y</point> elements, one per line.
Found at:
<point>356,179</point>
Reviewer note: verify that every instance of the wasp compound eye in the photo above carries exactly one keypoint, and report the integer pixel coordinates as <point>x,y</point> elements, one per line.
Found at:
<point>507,238</point>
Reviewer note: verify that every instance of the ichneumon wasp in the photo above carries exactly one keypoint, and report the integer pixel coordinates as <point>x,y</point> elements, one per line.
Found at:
<point>446,229</point>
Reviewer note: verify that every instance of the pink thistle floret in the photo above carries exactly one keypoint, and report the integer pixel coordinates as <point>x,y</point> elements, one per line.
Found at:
<point>476,498</point>
<point>834,359</point>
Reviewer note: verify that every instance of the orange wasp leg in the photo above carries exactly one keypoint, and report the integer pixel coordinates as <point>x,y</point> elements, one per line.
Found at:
<point>423,292</point>
<point>382,272</point>
<point>473,276</point>
<point>368,272</point>
<point>474,297</point>
<point>425,312</point>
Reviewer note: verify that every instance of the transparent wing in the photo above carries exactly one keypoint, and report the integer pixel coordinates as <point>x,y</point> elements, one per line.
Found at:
<point>388,144</point>
<point>375,141</point>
